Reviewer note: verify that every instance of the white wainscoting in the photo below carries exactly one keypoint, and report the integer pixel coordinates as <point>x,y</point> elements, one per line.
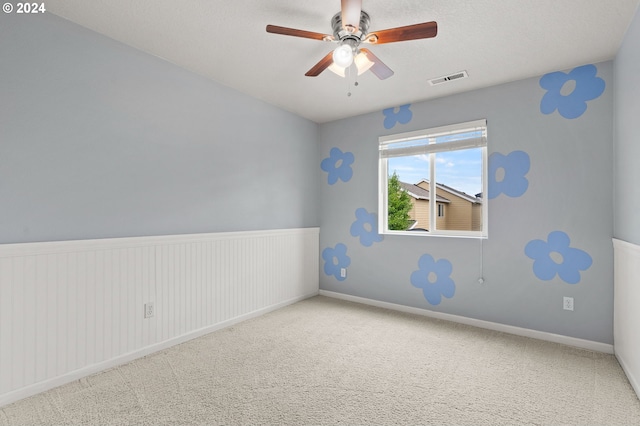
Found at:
<point>626,309</point>
<point>69,309</point>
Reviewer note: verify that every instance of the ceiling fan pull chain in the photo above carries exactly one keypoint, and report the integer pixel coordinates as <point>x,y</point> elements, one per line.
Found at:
<point>348,75</point>
<point>355,76</point>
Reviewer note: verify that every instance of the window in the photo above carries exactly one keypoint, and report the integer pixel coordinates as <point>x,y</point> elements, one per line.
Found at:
<point>447,164</point>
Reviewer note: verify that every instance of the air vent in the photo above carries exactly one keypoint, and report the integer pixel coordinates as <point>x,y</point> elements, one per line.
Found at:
<point>447,78</point>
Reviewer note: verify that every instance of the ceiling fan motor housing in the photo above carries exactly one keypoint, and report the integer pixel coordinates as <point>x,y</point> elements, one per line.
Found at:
<point>342,34</point>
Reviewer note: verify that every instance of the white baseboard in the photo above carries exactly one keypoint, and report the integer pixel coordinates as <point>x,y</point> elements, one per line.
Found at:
<point>540,335</point>
<point>635,384</point>
<point>72,376</point>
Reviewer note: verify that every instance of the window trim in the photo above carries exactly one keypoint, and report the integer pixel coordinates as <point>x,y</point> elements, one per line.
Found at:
<point>425,143</point>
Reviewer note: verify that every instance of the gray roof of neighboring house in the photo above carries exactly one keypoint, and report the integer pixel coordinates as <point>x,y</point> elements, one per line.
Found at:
<point>420,193</point>
<point>471,198</point>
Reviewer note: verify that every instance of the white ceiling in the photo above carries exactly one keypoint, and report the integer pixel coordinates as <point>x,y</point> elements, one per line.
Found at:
<point>495,41</point>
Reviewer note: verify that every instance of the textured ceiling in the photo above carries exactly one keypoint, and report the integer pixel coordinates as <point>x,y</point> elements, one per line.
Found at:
<point>495,41</point>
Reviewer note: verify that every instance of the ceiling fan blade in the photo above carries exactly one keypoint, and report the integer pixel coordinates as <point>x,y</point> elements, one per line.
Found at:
<point>378,68</point>
<point>351,15</point>
<point>410,32</point>
<point>321,66</point>
<point>274,29</point>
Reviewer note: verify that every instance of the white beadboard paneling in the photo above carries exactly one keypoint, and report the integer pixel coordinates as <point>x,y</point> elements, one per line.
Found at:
<point>69,309</point>
<point>6,322</point>
<point>626,315</point>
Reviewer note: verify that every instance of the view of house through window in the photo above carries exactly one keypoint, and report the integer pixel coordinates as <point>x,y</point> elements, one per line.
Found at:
<point>449,162</point>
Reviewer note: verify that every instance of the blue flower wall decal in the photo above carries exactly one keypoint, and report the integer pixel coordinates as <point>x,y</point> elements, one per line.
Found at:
<point>338,165</point>
<point>513,183</point>
<point>434,279</point>
<point>554,256</point>
<point>335,259</point>
<point>391,117</point>
<point>574,104</point>
<point>366,227</point>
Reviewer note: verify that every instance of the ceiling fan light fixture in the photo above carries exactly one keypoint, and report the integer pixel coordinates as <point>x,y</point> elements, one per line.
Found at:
<point>342,72</point>
<point>362,63</point>
<point>343,55</point>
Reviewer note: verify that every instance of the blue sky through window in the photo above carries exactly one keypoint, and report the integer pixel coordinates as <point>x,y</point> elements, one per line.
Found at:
<point>461,170</point>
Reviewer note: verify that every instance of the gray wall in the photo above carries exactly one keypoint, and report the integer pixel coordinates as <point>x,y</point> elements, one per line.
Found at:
<point>570,181</point>
<point>627,142</point>
<point>100,140</point>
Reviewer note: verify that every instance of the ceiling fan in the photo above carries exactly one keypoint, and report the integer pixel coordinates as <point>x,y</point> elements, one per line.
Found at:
<point>350,28</point>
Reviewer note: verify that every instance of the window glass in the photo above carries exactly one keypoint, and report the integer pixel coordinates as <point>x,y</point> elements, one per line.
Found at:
<point>446,164</point>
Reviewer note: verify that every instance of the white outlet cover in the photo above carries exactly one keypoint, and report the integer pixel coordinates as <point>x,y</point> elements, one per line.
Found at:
<point>148,310</point>
<point>567,303</point>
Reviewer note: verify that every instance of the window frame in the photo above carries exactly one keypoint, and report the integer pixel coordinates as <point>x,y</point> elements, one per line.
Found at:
<point>424,142</point>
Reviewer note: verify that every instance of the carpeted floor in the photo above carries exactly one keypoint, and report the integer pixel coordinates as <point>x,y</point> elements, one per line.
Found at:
<point>329,362</point>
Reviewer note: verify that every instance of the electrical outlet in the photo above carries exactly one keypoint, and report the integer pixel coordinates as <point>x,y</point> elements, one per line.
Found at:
<point>148,310</point>
<point>567,303</point>
<point>343,272</point>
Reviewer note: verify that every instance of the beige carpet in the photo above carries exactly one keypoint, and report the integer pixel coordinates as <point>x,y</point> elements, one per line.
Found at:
<point>328,362</point>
